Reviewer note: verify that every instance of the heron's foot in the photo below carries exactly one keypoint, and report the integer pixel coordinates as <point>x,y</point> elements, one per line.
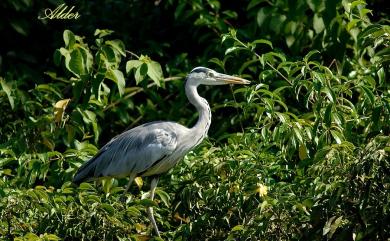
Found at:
<point>151,217</point>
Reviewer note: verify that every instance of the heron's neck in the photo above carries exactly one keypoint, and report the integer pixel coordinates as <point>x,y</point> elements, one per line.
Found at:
<point>201,127</point>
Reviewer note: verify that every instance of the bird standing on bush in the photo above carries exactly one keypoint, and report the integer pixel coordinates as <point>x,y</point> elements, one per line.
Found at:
<point>154,148</point>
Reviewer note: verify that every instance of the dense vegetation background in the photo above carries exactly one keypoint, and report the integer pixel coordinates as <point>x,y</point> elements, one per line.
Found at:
<point>302,154</point>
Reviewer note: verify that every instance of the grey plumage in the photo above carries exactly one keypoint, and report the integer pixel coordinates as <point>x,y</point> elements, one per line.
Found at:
<point>127,152</point>
<point>154,148</point>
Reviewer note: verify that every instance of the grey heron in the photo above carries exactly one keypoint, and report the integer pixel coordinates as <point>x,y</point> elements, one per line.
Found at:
<point>154,148</point>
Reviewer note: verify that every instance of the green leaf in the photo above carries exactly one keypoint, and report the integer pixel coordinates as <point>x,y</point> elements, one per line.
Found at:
<point>328,115</point>
<point>7,89</point>
<point>78,89</point>
<point>109,58</point>
<point>89,117</point>
<point>370,30</point>
<point>140,73</point>
<point>225,37</point>
<point>337,136</point>
<point>318,24</point>
<point>74,62</point>
<point>133,211</point>
<point>179,9</point>
<point>384,54</point>
<point>364,11</point>
<point>31,237</point>
<point>147,203</point>
<point>108,208</point>
<point>352,24</point>
<point>49,89</point>
<point>164,197</point>
<point>118,46</point>
<point>233,49</point>
<point>87,59</point>
<point>311,53</point>
<point>269,57</point>
<point>263,41</point>
<point>330,94</point>
<point>102,32</point>
<point>316,5</point>
<point>155,72</point>
<point>107,182</point>
<point>86,186</point>
<point>131,64</point>
<point>253,3</point>
<point>96,84</point>
<point>262,15</point>
<point>277,22</point>
<point>20,25</point>
<point>64,52</point>
<point>218,62</point>
<point>290,40</point>
<point>69,39</point>
<point>331,226</point>
<point>282,117</point>
<point>92,198</point>
<point>302,152</point>
<point>264,205</point>
<point>238,228</point>
<point>230,13</point>
<point>117,76</point>
<point>246,65</point>
<point>354,4</point>
<point>298,134</point>
<point>369,94</point>
<point>381,75</point>
<point>51,237</point>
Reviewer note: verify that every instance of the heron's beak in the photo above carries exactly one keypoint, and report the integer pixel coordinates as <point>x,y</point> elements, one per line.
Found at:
<point>228,79</point>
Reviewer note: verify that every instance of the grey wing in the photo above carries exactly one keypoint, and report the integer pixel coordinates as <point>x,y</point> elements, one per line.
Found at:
<point>133,151</point>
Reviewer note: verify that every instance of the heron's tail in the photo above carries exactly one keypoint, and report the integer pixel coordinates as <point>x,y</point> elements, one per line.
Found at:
<point>86,172</point>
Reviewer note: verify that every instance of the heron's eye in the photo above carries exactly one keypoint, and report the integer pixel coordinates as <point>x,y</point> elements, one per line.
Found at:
<point>210,74</point>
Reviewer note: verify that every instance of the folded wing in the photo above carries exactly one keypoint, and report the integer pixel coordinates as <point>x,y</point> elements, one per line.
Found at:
<point>133,151</point>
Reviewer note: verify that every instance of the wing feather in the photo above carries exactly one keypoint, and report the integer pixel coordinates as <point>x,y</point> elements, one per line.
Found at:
<point>133,151</point>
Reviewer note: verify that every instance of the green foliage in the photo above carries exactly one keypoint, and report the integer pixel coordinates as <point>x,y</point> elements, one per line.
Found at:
<point>145,66</point>
<point>45,209</point>
<point>220,195</point>
<point>302,154</point>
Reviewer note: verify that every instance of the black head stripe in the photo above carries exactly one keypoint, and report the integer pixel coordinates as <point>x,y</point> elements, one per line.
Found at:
<point>200,70</point>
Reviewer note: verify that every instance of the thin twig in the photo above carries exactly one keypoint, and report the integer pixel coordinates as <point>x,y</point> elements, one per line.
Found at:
<point>277,71</point>
<point>138,91</point>
<point>127,51</point>
<point>331,63</point>
<point>258,56</point>
<point>139,118</point>
<point>234,97</point>
<point>334,62</point>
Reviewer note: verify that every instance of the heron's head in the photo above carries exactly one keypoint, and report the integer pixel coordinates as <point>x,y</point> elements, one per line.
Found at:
<point>205,76</point>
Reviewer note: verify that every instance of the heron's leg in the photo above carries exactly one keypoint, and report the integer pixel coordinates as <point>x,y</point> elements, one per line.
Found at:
<point>131,179</point>
<point>153,186</point>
